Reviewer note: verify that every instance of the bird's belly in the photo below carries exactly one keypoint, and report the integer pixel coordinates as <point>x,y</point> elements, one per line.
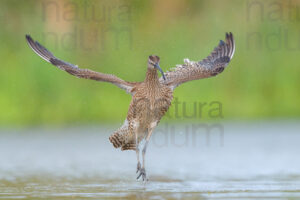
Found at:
<point>147,112</point>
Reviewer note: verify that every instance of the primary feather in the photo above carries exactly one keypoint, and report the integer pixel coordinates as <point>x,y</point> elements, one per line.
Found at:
<point>212,65</point>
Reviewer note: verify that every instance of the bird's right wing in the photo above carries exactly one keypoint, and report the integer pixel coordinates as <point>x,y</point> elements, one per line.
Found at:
<point>212,65</point>
<point>74,70</point>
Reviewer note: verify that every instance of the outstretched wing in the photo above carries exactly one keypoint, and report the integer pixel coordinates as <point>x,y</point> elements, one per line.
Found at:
<point>74,70</point>
<point>214,64</point>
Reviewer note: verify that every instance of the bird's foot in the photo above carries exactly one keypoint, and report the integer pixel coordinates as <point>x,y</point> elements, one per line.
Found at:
<point>138,168</point>
<point>142,174</point>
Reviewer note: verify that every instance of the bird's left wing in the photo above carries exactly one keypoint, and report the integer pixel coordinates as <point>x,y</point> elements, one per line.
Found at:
<point>214,64</point>
<point>74,70</point>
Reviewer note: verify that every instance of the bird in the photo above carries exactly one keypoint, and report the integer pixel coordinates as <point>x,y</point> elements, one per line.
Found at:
<point>152,97</point>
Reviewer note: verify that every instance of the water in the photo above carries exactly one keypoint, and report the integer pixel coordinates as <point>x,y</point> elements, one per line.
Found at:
<point>249,161</point>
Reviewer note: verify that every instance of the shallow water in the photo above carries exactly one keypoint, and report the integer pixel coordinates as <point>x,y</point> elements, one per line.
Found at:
<point>247,161</point>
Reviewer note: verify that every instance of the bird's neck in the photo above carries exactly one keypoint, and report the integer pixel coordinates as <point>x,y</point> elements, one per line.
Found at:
<point>152,77</point>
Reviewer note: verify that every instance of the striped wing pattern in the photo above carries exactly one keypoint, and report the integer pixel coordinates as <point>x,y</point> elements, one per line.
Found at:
<point>212,65</point>
<point>74,69</point>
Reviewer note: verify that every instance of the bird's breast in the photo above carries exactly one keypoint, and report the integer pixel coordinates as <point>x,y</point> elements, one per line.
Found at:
<point>149,108</point>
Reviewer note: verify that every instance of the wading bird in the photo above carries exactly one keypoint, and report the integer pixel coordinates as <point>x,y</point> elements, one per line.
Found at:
<point>150,98</point>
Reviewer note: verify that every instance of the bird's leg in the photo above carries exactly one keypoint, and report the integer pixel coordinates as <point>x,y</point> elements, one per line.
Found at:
<point>142,170</point>
<point>137,150</point>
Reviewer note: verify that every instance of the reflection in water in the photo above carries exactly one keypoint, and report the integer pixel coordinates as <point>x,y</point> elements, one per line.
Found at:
<point>255,161</point>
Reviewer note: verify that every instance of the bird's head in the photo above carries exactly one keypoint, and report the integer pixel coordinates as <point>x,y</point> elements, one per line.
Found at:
<point>153,63</point>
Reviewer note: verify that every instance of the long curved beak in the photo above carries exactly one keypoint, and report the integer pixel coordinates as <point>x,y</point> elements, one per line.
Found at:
<point>161,71</point>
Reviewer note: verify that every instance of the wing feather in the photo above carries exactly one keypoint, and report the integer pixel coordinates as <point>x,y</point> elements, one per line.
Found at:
<point>74,70</point>
<point>212,65</point>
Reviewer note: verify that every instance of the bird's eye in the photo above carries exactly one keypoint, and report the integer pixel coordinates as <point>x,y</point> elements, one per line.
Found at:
<point>151,63</point>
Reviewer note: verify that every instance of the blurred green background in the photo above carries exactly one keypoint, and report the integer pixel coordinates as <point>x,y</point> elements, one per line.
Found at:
<point>116,37</point>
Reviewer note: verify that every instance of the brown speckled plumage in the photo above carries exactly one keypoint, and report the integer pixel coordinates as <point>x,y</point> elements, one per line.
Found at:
<point>150,98</point>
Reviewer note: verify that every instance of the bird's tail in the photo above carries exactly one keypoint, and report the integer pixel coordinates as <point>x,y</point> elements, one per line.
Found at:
<point>121,140</point>
<point>116,139</point>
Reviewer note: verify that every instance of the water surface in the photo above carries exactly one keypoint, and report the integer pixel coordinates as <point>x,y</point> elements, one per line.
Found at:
<point>247,161</point>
